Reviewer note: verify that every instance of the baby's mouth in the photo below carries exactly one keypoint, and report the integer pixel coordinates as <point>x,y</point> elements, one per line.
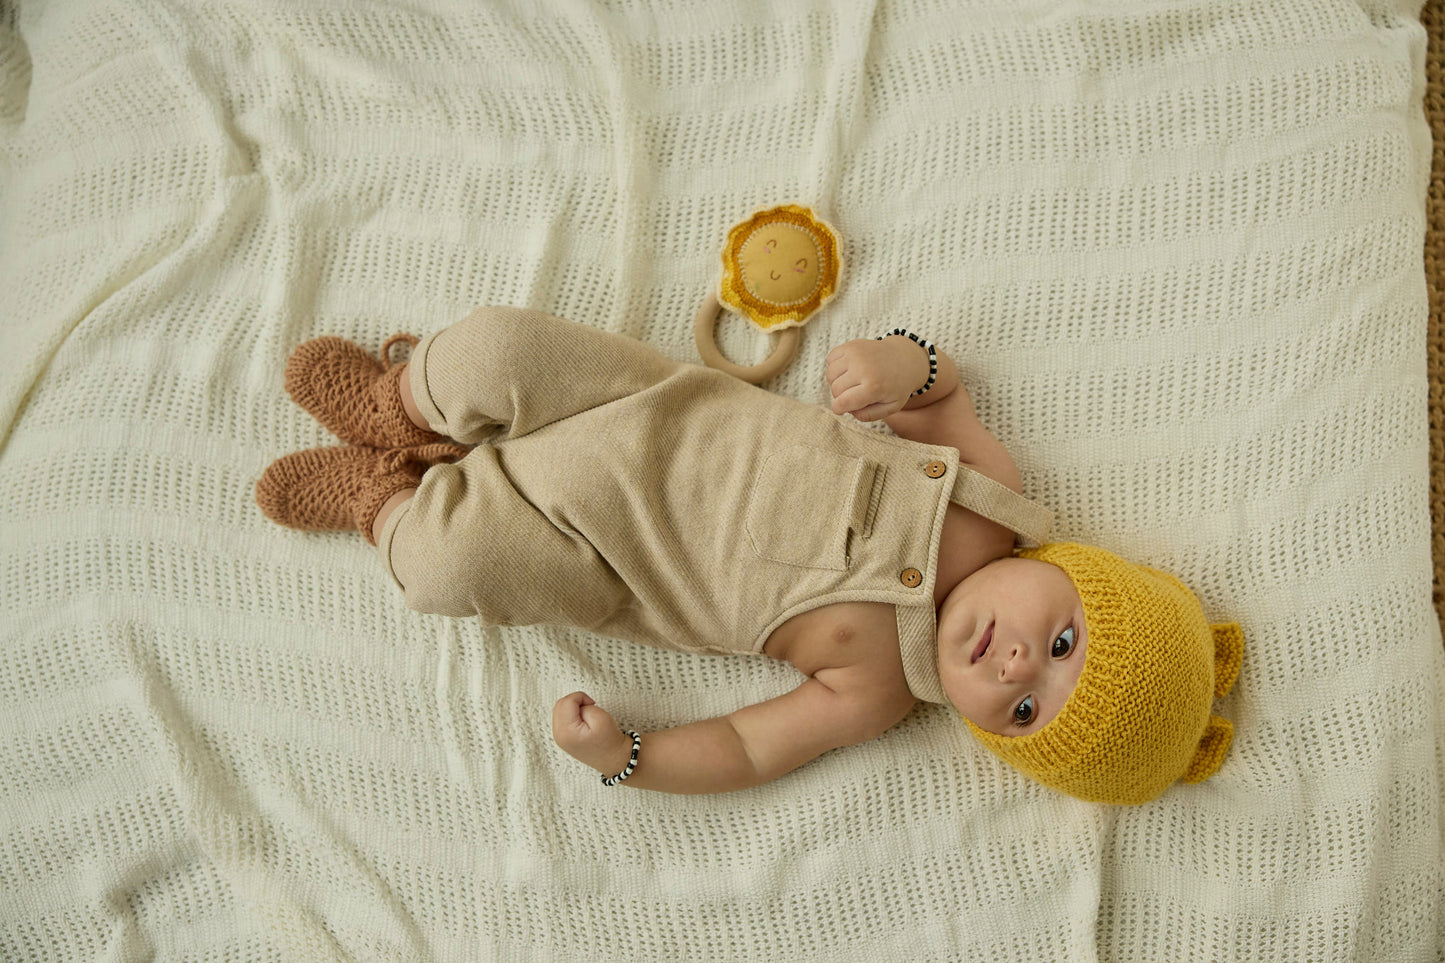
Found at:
<point>982,648</point>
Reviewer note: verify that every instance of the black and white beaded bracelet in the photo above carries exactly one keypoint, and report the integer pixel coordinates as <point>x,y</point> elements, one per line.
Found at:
<point>926,345</point>
<point>631,763</point>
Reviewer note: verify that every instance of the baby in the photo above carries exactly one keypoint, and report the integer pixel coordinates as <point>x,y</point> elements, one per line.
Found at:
<point>524,469</point>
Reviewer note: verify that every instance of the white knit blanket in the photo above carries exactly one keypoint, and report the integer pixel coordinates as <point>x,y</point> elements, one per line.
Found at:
<point>1175,246</point>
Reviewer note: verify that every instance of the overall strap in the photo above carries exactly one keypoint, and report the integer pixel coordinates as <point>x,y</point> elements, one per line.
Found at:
<point>1001,504</point>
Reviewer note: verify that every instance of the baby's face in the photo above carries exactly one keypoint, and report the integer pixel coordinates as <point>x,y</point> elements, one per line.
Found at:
<point>1011,645</point>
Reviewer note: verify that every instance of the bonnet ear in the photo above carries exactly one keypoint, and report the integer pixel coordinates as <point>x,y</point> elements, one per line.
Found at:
<point>1213,746</point>
<point>1228,652</point>
<point>1219,733</point>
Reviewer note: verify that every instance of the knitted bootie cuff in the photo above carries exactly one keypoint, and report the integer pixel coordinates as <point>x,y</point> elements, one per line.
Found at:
<point>397,470</point>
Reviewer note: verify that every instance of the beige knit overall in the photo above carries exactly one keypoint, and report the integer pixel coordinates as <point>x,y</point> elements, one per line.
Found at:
<point>661,502</point>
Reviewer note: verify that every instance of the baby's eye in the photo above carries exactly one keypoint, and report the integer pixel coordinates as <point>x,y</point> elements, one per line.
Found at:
<point>1024,711</point>
<point>1064,644</point>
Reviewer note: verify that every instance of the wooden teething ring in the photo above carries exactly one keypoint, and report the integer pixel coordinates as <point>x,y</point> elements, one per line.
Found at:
<point>705,334</point>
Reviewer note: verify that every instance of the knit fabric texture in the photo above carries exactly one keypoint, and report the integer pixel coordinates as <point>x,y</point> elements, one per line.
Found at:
<point>1139,717</point>
<point>1174,247</point>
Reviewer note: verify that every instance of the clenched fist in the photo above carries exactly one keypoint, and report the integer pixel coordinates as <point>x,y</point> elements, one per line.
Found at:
<point>873,379</point>
<point>586,732</point>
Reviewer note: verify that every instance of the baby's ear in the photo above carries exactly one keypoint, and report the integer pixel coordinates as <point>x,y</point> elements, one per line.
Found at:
<point>1228,652</point>
<point>1213,746</point>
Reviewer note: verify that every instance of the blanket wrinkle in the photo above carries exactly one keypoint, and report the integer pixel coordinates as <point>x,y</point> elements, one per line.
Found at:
<point>15,71</point>
<point>842,130</point>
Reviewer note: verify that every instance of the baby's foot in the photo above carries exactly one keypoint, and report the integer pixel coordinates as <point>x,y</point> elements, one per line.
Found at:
<point>329,489</point>
<point>353,394</point>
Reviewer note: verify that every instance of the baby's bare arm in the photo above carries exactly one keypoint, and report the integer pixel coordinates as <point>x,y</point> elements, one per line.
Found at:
<point>749,747</point>
<point>953,422</point>
<point>874,380</point>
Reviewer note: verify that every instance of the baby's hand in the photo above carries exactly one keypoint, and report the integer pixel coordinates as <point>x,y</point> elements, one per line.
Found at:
<point>587,733</point>
<point>873,379</point>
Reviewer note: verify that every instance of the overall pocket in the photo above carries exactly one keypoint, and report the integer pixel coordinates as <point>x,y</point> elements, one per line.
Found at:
<point>807,505</point>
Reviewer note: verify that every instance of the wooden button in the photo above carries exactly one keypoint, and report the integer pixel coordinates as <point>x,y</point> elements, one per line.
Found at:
<point>935,469</point>
<point>911,577</point>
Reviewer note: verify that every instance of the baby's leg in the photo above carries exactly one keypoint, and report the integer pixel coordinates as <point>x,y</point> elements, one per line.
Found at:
<point>522,369</point>
<point>387,507</point>
<point>465,542</point>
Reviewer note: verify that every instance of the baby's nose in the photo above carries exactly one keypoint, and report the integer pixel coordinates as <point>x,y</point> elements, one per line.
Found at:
<point>1017,667</point>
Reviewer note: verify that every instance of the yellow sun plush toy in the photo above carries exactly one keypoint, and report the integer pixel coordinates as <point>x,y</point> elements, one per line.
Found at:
<point>779,266</point>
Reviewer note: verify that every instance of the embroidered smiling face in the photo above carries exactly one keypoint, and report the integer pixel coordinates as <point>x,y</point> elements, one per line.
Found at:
<point>780,266</point>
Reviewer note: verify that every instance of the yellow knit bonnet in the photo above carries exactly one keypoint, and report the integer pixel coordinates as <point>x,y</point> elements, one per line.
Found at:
<point>1140,716</point>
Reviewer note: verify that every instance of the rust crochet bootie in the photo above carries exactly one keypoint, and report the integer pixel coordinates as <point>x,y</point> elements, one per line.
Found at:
<point>353,394</point>
<point>329,489</point>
